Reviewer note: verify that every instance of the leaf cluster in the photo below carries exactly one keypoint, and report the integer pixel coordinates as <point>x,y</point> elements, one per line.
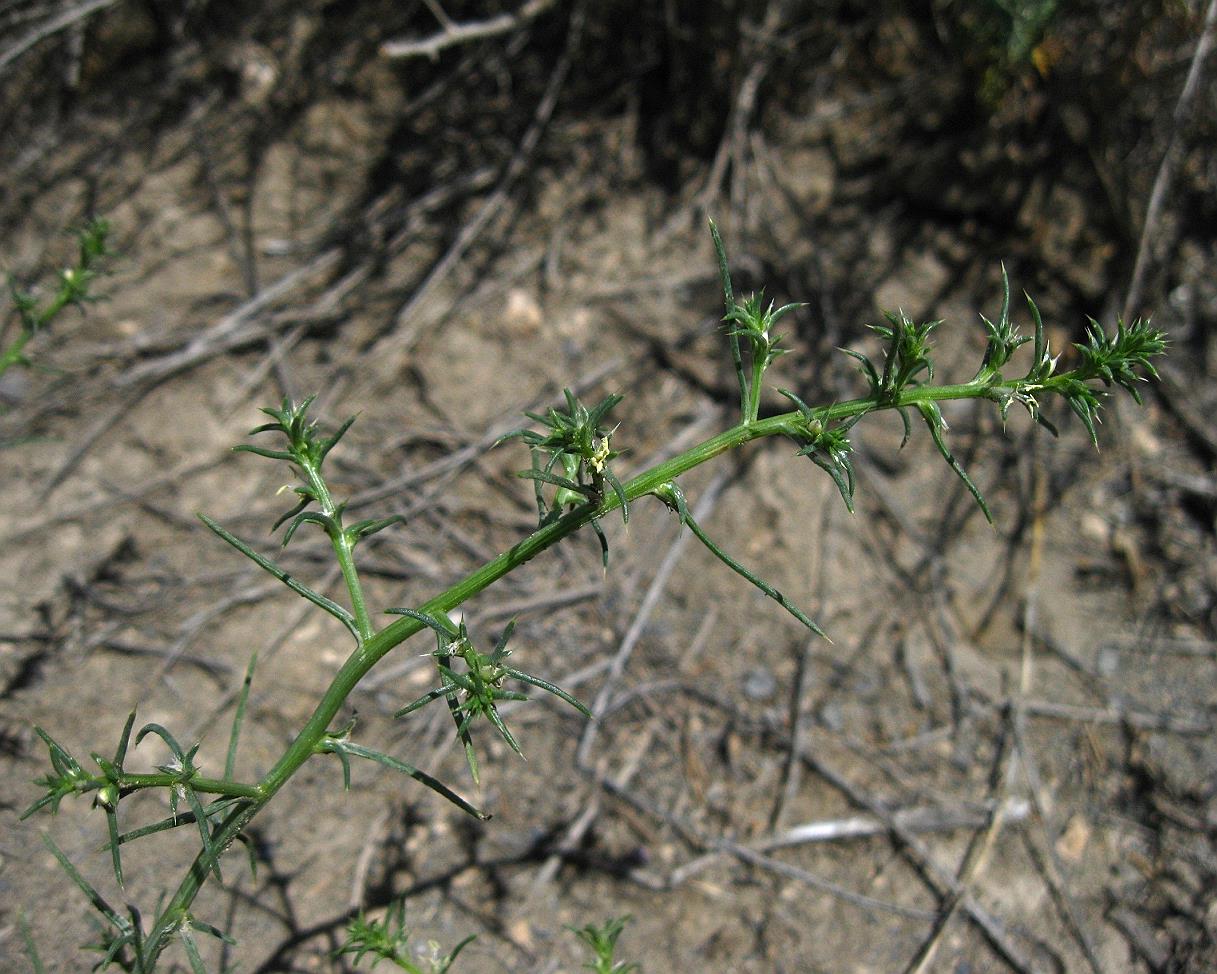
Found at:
<point>1114,361</point>
<point>123,942</point>
<point>307,449</point>
<point>181,778</point>
<point>754,323</point>
<point>602,941</point>
<point>827,446</point>
<point>475,688</point>
<point>1123,359</point>
<point>906,357</point>
<point>573,454</point>
<point>74,289</point>
<point>749,323</point>
<point>907,365</point>
<point>388,939</point>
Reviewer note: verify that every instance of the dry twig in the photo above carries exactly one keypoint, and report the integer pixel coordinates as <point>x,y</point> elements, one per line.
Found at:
<point>917,820</point>
<point>1170,159</point>
<point>63,21</point>
<point>453,33</point>
<point>407,330</point>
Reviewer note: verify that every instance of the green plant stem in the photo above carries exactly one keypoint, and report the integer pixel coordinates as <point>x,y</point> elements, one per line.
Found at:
<point>344,550</point>
<point>208,786</point>
<point>32,326</point>
<point>12,355</point>
<point>754,389</point>
<point>733,341</point>
<point>376,645</point>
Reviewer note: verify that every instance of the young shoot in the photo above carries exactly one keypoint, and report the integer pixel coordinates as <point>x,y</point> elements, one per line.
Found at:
<point>602,942</point>
<point>73,289</point>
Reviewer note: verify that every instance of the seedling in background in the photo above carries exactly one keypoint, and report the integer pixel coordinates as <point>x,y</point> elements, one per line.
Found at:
<point>389,939</point>
<point>602,942</point>
<point>74,289</point>
<point>573,457</point>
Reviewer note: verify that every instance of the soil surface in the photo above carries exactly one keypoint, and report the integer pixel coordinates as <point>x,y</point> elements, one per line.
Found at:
<point>1003,760</point>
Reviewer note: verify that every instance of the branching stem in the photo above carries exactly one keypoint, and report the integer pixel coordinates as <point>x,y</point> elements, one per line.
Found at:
<point>375,645</point>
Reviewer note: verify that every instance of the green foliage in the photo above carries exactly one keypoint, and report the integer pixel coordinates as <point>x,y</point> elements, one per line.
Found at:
<point>575,486</point>
<point>476,690</point>
<point>388,939</point>
<point>74,289</point>
<point>577,445</point>
<point>338,742</point>
<point>28,945</point>
<point>602,942</point>
<point>1020,24</point>
<point>907,356</point>
<point>750,324</point>
<point>306,452</point>
<point>827,447</point>
<point>674,497</point>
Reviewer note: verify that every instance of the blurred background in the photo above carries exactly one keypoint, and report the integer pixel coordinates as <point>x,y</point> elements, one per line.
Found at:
<point>438,215</point>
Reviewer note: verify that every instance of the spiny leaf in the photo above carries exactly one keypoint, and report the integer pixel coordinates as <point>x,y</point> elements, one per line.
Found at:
<point>365,529</point>
<point>262,451</point>
<point>343,747</point>
<point>214,810</point>
<point>937,425</point>
<point>230,760</point>
<point>756,580</point>
<point>170,741</point>
<point>1004,338</point>
<point>554,480</point>
<point>329,605</point>
<point>548,687</point>
<point>95,898</point>
<point>192,950</point>
<point>827,447</point>
<point>327,524</point>
<point>442,626</point>
<point>868,369</point>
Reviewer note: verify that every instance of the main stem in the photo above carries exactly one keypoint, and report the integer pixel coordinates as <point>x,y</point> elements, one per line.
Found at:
<point>372,649</point>
<point>13,354</point>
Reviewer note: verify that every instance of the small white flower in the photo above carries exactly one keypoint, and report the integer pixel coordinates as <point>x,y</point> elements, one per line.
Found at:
<point>600,457</point>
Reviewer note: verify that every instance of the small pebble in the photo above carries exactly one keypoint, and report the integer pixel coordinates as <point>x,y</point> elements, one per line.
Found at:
<point>760,684</point>
<point>1109,661</point>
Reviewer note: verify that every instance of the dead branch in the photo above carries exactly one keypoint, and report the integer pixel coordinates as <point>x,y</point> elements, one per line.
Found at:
<point>744,854</point>
<point>406,330</point>
<point>233,330</point>
<point>63,21</point>
<point>1170,159</point>
<point>916,820</point>
<point>453,33</point>
<point>1049,863</point>
<point>932,872</point>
